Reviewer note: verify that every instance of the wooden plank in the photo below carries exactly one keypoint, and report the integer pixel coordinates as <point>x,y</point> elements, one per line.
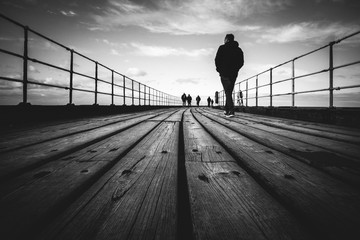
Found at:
<point>199,147</point>
<point>339,135</point>
<point>138,199</point>
<point>225,202</point>
<point>325,203</point>
<point>304,124</point>
<point>338,165</point>
<point>32,199</point>
<point>22,138</point>
<point>13,163</point>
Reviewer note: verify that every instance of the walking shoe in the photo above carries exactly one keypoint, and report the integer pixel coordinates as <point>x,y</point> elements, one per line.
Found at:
<point>231,114</point>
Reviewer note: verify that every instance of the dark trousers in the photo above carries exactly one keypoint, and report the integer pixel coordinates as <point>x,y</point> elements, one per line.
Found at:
<point>228,85</point>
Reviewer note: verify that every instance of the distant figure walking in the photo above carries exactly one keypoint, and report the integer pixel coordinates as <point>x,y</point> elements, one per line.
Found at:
<point>209,101</point>
<point>198,99</point>
<point>240,98</point>
<point>212,102</point>
<point>189,98</point>
<point>183,98</point>
<point>228,61</point>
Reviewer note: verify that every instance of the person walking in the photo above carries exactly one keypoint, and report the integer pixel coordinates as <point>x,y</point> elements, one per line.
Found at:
<point>189,98</point>
<point>228,61</point>
<point>209,101</point>
<point>183,98</point>
<point>198,100</point>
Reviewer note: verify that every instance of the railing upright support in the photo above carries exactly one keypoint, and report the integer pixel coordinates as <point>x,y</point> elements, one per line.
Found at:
<point>132,92</point>
<point>331,75</point>
<point>124,98</point>
<point>256,93</point>
<point>271,90</point>
<point>139,94</point>
<point>112,88</point>
<point>96,82</point>
<point>247,92</point>
<point>293,83</point>
<point>25,65</point>
<point>71,84</point>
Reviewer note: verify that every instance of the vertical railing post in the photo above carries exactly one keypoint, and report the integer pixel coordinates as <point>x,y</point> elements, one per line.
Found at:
<point>139,94</point>
<point>132,92</point>
<point>25,65</point>
<point>247,91</point>
<point>293,83</point>
<point>144,95</point>
<point>124,97</point>
<point>149,96</point>
<point>112,88</point>
<point>256,91</point>
<point>71,77</point>
<point>271,90</point>
<point>96,82</point>
<point>331,75</point>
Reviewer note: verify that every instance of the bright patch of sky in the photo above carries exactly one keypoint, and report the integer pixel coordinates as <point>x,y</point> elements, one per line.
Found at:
<point>170,45</point>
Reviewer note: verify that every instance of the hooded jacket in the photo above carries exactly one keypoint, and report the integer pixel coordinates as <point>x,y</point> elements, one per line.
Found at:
<point>229,59</point>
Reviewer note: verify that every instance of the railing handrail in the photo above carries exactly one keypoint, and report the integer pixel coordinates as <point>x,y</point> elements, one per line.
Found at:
<point>154,93</point>
<point>330,69</point>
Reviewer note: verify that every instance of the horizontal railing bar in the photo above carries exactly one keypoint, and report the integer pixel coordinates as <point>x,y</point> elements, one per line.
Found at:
<point>346,65</point>
<point>346,87</point>
<point>84,75</point>
<point>47,64</point>
<point>47,85</point>
<point>11,79</point>
<point>49,39</point>
<point>11,53</point>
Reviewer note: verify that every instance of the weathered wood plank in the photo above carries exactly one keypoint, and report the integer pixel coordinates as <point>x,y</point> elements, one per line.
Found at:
<point>13,163</point>
<point>325,132</point>
<point>338,165</point>
<point>199,147</point>
<point>22,138</point>
<point>327,204</point>
<point>225,202</point>
<point>138,199</point>
<point>41,193</point>
<point>304,124</point>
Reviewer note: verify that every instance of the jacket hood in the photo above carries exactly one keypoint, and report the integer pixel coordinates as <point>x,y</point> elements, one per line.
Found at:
<point>232,44</point>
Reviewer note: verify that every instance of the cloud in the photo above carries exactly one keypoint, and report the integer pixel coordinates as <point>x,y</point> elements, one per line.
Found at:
<point>68,13</point>
<point>161,51</point>
<point>135,72</point>
<point>187,16</point>
<point>114,52</point>
<point>188,80</point>
<point>306,32</point>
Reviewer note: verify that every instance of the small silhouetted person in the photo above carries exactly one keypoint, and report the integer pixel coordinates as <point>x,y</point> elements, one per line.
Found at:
<point>209,101</point>
<point>189,98</point>
<point>241,98</point>
<point>228,61</point>
<point>212,102</point>
<point>198,100</point>
<point>183,98</point>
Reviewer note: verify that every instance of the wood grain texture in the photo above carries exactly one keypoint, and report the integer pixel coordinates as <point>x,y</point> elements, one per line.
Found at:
<point>326,203</point>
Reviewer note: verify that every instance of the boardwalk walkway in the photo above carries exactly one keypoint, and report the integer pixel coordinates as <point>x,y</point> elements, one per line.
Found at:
<point>180,174</point>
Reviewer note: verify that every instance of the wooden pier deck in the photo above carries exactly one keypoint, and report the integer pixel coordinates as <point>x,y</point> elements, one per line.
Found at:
<point>186,173</point>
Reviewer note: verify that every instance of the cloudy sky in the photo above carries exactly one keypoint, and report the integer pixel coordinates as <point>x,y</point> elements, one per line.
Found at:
<point>170,45</point>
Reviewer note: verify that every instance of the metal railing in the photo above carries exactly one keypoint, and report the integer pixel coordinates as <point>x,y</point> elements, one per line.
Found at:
<point>270,84</point>
<point>131,91</point>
